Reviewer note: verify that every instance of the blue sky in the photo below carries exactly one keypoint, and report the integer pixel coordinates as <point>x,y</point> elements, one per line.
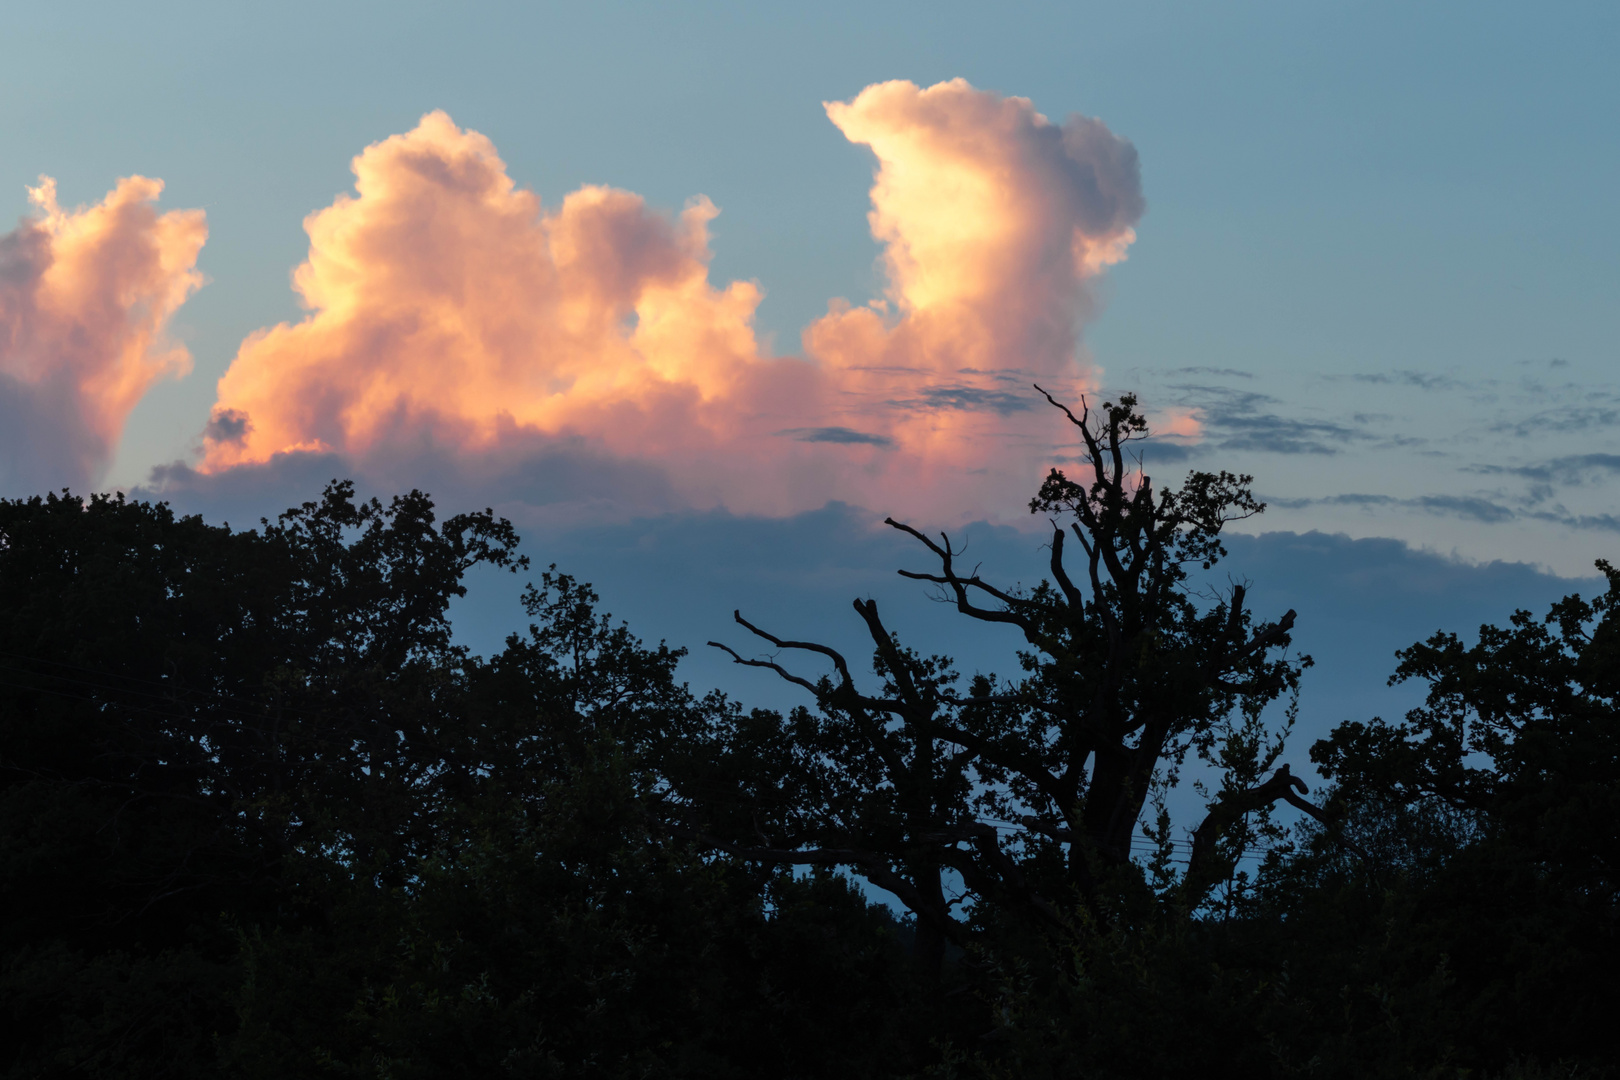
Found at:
<point>1334,190</point>
<point>1377,258</point>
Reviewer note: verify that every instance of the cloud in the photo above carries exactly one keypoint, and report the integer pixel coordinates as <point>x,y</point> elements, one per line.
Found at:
<point>1597,522</point>
<point>1571,469</point>
<point>837,435</point>
<point>1273,434</point>
<point>454,316</point>
<point>1467,507</point>
<point>1421,379</point>
<point>1569,419</point>
<point>992,220</point>
<point>969,398</point>
<point>1243,420</point>
<point>1156,451</point>
<point>85,298</point>
<point>1230,373</point>
<point>1464,506</point>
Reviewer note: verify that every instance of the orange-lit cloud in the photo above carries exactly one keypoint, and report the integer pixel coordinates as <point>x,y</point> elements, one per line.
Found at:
<point>85,296</point>
<point>993,220</point>
<point>453,314</point>
<point>1181,422</point>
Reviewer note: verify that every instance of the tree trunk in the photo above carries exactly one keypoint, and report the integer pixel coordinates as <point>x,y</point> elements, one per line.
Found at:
<point>1111,807</point>
<point>928,950</point>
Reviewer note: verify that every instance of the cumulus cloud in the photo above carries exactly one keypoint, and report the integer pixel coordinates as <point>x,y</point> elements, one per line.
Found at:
<point>85,297</point>
<point>992,220</point>
<point>453,315</point>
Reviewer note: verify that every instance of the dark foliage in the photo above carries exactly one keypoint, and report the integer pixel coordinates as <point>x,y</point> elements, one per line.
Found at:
<point>260,817</point>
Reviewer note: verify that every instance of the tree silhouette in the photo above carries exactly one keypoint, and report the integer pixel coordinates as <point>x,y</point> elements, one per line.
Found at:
<point>1030,791</point>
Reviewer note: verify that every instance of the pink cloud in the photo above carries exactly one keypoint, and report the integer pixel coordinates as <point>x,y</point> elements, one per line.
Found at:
<point>85,299</point>
<point>453,314</point>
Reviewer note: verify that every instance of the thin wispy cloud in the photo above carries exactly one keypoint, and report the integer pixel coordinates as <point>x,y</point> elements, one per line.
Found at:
<point>969,398</point>
<point>1473,508</point>
<point>1566,419</point>
<point>1422,380</point>
<point>1570,469</point>
<point>1230,373</point>
<point>1248,421</point>
<point>841,435</point>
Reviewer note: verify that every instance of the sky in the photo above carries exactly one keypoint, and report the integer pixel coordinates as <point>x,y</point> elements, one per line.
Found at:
<point>698,294</point>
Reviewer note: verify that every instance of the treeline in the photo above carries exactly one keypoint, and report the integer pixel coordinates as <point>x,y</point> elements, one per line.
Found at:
<point>261,816</point>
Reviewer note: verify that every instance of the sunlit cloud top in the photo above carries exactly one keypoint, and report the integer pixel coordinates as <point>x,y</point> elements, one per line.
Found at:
<point>458,321</point>
<point>85,298</point>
